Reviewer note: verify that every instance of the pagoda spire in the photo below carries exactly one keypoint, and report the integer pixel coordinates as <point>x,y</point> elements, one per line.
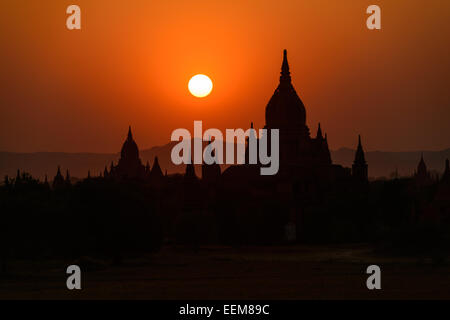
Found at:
<point>422,167</point>
<point>319,133</point>
<point>156,169</point>
<point>285,73</point>
<point>359,156</point>
<point>360,168</point>
<point>58,180</point>
<point>130,135</point>
<point>421,158</point>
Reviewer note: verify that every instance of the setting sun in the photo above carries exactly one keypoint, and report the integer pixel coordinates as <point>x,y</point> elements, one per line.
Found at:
<point>200,86</point>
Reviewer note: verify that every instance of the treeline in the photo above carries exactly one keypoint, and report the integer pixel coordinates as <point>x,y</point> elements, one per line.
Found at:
<point>91,218</point>
<point>103,218</point>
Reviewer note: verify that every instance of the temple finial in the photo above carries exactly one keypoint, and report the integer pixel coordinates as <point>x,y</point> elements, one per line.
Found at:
<point>359,155</point>
<point>130,135</point>
<point>319,132</point>
<point>285,74</point>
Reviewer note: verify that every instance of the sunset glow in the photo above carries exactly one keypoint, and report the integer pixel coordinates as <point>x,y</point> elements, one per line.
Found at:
<point>136,70</point>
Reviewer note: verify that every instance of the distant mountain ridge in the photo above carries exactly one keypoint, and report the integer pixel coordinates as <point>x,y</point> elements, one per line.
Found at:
<point>381,163</point>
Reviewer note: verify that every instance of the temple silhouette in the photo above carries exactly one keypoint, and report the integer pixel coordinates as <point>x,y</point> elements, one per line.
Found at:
<point>130,164</point>
<point>307,178</point>
<point>305,161</point>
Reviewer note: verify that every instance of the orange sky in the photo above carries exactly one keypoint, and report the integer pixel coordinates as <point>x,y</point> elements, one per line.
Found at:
<point>74,91</point>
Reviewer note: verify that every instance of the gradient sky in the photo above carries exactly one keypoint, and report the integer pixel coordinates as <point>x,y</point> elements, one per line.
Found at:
<point>73,91</point>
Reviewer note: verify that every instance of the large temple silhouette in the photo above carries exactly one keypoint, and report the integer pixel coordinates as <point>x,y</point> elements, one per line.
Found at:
<point>304,160</point>
<point>306,171</point>
<point>307,178</point>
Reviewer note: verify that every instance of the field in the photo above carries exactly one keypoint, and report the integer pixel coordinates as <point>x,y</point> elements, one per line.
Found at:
<point>291,272</point>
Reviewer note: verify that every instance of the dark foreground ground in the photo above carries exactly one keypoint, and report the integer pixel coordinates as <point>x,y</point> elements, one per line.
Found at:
<point>293,272</point>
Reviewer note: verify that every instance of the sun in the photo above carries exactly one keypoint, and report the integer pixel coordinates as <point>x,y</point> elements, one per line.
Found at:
<point>200,86</point>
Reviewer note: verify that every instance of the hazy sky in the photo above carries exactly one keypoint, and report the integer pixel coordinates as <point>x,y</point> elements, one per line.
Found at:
<point>64,90</point>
